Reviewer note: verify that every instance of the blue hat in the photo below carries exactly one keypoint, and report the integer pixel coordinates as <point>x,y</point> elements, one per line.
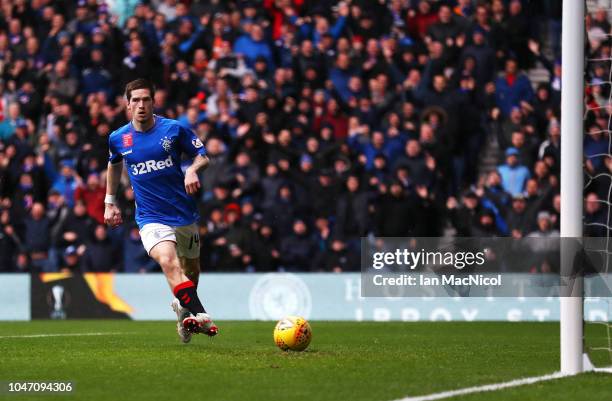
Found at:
<point>512,152</point>
<point>70,250</point>
<point>67,163</point>
<point>62,35</point>
<point>306,159</point>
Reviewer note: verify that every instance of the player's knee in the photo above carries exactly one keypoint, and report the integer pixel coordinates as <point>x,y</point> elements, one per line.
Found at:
<point>168,262</point>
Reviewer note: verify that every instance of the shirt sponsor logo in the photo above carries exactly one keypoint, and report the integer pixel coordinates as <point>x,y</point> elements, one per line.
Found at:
<point>126,152</point>
<point>150,165</point>
<point>128,140</point>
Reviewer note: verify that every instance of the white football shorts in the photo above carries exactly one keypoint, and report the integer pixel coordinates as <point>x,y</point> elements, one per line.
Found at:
<point>186,238</point>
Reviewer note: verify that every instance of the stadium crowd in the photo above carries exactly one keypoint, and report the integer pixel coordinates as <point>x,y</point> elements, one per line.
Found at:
<point>325,122</point>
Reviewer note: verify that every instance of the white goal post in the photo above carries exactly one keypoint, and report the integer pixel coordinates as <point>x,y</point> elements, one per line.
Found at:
<point>572,103</point>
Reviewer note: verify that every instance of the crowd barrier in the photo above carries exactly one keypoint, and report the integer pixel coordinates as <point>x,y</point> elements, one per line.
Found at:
<point>316,296</point>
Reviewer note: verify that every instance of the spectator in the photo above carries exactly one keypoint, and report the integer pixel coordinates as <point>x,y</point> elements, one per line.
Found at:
<point>9,124</point>
<point>291,101</point>
<point>483,55</point>
<point>420,20</point>
<point>517,218</point>
<point>415,162</point>
<point>37,237</point>
<point>229,65</point>
<point>513,175</point>
<point>10,244</point>
<point>284,210</point>
<point>21,141</point>
<point>353,220</point>
<point>183,83</point>
<point>61,84</point>
<point>512,88</point>
<point>463,217</point>
<point>495,193</point>
<point>212,239</point>
<point>135,64</point>
<point>485,226</point>
<point>244,175</point>
<point>595,221</point>
<point>76,228</point>
<point>135,257</point>
<point>396,213</point>
<point>536,198</point>
<point>97,78</point>
<point>253,45</point>
<point>71,260</point>
<point>447,28</point>
<point>525,148</point>
<point>266,256</point>
<point>322,26</point>
<point>270,185</point>
<point>338,259</point>
<point>217,154</point>
<point>518,31</point>
<point>544,245</point>
<point>297,249</point>
<point>234,242</point>
<point>340,74</point>
<point>552,146</point>
<point>67,182</point>
<point>326,189</point>
<point>101,255</point>
<point>595,145</point>
<point>92,195</point>
<point>30,101</point>
<point>504,130</point>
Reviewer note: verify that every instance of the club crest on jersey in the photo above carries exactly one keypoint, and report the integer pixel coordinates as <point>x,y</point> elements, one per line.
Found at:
<point>197,143</point>
<point>166,143</point>
<point>128,140</point>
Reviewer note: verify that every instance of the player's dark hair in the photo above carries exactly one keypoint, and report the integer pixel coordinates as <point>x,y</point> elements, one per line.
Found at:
<point>139,83</point>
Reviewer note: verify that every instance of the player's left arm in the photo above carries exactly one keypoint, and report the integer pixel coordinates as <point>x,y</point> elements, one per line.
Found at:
<point>192,181</point>
<point>194,148</point>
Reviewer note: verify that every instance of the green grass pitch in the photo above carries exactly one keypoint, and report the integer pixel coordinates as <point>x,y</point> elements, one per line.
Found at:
<point>345,361</point>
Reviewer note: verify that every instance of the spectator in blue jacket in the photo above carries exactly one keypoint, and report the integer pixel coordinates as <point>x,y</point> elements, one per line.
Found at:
<point>67,181</point>
<point>512,88</point>
<point>8,126</point>
<point>321,27</point>
<point>253,45</point>
<point>96,78</point>
<point>341,74</point>
<point>513,175</point>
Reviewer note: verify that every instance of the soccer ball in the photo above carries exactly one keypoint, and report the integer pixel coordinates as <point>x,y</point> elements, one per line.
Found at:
<point>292,333</point>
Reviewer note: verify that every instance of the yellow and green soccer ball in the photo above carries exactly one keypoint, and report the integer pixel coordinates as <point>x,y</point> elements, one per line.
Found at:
<point>292,333</point>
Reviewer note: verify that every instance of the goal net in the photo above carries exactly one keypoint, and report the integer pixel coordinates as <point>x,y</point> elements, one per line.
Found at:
<point>597,212</point>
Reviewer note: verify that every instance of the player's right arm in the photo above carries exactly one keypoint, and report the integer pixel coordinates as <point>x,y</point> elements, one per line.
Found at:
<point>112,214</point>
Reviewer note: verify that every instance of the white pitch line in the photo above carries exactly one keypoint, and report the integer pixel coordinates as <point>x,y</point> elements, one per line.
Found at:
<point>488,387</point>
<point>63,335</point>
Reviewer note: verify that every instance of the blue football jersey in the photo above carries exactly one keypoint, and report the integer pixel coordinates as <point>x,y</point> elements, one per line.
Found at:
<point>153,161</point>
